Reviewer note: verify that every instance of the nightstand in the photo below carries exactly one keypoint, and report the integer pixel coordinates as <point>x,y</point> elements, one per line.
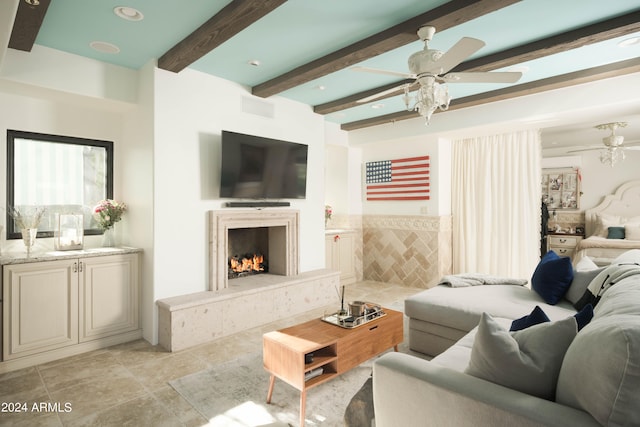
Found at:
<point>563,244</point>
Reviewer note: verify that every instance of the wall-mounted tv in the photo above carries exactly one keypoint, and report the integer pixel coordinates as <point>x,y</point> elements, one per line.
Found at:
<point>254,167</point>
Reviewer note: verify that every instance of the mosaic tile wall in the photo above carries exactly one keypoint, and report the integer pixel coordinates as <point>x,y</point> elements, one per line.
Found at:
<point>413,251</point>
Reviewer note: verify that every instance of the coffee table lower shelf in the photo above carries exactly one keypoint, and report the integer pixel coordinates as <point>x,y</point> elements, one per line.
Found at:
<point>326,346</point>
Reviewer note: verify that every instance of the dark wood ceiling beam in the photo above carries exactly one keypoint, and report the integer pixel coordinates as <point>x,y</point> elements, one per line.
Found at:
<point>584,36</point>
<point>557,82</point>
<point>26,25</point>
<point>443,17</point>
<point>233,18</point>
<point>601,31</point>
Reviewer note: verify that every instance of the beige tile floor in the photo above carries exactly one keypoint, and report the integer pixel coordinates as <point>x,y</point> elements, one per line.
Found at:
<point>127,384</point>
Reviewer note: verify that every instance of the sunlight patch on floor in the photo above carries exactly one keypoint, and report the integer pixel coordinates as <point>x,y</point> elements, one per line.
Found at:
<point>248,414</point>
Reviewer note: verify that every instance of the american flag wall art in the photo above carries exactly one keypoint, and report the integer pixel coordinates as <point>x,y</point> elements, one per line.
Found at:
<point>400,179</point>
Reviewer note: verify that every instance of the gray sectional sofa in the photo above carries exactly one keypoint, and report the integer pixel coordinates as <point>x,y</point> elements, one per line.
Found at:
<point>591,376</point>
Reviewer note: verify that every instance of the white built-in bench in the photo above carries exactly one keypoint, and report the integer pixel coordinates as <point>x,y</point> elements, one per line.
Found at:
<point>188,320</point>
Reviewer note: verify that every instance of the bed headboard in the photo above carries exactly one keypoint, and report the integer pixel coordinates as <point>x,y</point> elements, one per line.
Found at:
<point>625,202</point>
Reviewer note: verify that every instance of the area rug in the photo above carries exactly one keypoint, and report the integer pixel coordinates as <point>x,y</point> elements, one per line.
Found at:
<point>234,394</point>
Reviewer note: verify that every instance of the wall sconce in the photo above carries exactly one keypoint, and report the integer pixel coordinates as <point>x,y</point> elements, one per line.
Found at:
<point>69,232</point>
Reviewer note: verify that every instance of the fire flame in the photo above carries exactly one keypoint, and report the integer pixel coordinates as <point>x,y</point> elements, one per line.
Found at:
<point>247,264</point>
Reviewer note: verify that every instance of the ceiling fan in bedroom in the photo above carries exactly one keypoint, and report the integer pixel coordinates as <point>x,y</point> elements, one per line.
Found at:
<point>614,145</point>
<point>430,71</point>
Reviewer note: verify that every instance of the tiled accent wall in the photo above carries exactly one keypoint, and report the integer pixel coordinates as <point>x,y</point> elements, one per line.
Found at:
<point>413,251</point>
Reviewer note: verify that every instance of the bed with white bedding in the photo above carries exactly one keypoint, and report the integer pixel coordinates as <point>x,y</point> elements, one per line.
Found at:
<point>613,226</point>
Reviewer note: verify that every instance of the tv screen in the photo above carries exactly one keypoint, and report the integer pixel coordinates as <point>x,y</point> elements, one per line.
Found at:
<point>254,167</point>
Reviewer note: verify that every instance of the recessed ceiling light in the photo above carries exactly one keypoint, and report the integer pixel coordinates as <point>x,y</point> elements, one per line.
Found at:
<point>104,47</point>
<point>321,87</point>
<point>254,62</point>
<point>629,42</point>
<point>33,2</point>
<point>128,13</point>
<point>377,106</point>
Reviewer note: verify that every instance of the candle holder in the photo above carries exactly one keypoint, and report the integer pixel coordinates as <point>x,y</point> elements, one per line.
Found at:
<point>69,232</point>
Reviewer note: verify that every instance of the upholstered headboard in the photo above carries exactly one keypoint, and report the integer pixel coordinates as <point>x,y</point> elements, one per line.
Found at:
<point>625,202</point>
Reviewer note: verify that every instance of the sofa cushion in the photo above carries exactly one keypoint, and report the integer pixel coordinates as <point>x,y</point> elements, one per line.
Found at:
<point>630,256</point>
<point>461,308</point>
<point>533,318</point>
<point>528,360</point>
<point>604,383</point>
<point>581,279</point>
<point>552,277</point>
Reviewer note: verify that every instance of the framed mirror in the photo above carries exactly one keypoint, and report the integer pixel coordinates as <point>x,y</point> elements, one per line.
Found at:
<point>62,174</point>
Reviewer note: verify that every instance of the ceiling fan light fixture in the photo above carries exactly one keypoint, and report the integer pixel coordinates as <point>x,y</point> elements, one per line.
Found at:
<point>431,96</point>
<point>613,151</point>
<point>612,155</point>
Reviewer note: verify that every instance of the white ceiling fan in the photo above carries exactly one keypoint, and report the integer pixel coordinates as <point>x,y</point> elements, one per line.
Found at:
<point>429,68</point>
<point>613,147</point>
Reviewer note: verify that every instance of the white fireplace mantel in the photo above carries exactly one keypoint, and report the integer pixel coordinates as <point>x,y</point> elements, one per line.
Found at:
<point>283,240</point>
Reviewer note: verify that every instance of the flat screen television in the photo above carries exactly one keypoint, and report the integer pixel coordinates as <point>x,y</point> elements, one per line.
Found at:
<point>254,167</point>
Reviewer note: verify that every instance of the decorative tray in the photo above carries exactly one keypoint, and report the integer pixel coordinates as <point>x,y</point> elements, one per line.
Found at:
<point>371,312</point>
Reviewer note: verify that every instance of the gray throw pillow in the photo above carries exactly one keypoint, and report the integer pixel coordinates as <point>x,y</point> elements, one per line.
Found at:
<point>581,280</point>
<point>528,360</point>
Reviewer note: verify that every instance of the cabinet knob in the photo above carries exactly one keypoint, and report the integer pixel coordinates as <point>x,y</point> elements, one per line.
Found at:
<point>336,238</point>
<point>563,240</point>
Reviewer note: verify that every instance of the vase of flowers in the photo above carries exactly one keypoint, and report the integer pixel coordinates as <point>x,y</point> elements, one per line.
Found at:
<point>107,213</point>
<point>328,211</point>
<point>27,221</point>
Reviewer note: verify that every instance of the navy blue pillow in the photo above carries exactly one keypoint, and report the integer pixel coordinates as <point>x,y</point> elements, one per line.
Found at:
<point>552,277</point>
<point>584,316</point>
<point>536,316</point>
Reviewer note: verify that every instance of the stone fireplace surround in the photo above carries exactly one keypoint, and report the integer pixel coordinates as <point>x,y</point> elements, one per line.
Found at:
<point>283,230</point>
<point>188,320</point>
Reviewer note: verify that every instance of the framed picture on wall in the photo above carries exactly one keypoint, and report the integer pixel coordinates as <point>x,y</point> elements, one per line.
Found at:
<point>561,188</point>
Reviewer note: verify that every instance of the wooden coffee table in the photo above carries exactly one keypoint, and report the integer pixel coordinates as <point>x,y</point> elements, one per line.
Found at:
<point>335,350</point>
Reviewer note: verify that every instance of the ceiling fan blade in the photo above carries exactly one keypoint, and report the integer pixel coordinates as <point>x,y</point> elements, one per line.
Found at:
<point>587,149</point>
<point>386,72</point>
<point>381,94</point>
<point>482,77</point>
<point>460,51</point>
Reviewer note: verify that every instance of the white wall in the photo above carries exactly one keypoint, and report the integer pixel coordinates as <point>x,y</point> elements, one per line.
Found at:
<point>551,108</point>
<point>342,173</point>
<point>439,152</point>
<point>191,109</point>
<point>27,113</point>
<point>166,128</point>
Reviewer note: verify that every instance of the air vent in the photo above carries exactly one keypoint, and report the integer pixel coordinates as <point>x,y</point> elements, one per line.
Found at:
<point>258,107</point>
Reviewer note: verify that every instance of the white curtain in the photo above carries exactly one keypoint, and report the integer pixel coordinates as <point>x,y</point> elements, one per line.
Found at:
<point>496,204</point>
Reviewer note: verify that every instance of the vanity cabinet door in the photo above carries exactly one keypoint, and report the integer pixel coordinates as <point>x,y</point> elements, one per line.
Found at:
<point>40,307</point>
<point>340,255</point>
<point>109,295</point>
